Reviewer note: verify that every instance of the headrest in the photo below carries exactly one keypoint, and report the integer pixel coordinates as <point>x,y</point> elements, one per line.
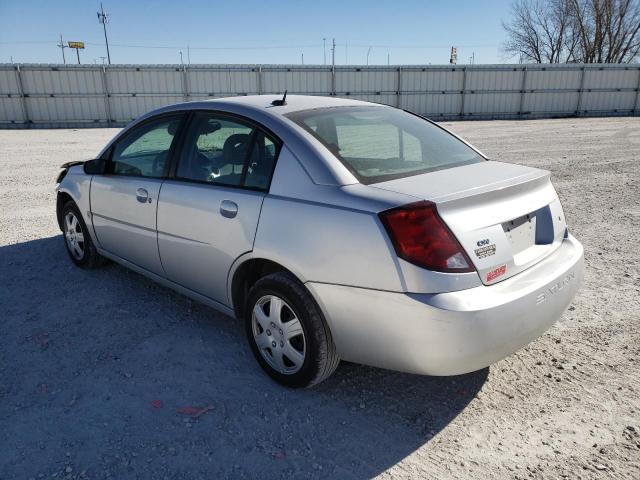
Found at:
<point>235,148</point>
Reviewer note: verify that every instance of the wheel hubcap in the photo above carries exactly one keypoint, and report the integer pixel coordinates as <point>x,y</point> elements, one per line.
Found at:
<point>73,235</point>
<point>278,334</point>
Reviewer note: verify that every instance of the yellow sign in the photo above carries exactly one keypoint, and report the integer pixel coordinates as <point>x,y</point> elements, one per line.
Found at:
<point>76,45</point>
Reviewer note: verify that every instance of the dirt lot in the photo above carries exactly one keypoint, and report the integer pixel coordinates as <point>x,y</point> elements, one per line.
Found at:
<point>95,365</point>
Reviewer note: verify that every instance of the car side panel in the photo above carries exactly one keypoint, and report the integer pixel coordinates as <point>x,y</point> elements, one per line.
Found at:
<point>333,234</point>
<point>198,244</point>
<point>123,225</point>
<point>327,244</point>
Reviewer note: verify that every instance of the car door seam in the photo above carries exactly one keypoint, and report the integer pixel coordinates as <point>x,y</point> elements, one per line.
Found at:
<point>156,229</point>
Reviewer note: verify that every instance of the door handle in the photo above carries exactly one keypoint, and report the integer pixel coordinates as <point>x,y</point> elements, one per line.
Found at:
<point>228,208</point>
<point>142,195</point>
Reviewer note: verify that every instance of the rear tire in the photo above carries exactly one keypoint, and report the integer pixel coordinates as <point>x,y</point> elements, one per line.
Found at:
<point>287,332</point>
<point>77,239</point>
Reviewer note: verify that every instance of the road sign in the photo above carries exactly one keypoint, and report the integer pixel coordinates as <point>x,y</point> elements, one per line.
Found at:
<point>76,45</point>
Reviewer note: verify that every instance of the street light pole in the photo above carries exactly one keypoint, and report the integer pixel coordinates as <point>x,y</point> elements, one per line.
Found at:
<point>103,18</point>
<point>333,53</point>
<point>324,50</point>
<point>368,52</point>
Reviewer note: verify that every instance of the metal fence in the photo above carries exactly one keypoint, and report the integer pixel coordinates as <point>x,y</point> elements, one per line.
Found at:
<point>96,95</point>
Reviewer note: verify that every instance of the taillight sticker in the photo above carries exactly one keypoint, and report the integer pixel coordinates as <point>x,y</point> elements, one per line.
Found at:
<point>498,272</point>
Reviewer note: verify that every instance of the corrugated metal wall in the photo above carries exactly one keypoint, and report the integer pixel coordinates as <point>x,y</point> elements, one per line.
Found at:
<point>95,95</point>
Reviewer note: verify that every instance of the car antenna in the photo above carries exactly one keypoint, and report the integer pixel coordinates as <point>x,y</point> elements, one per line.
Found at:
<point>279,103</point>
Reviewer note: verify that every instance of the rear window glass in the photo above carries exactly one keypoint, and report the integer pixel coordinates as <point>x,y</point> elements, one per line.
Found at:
<point>378,144</point>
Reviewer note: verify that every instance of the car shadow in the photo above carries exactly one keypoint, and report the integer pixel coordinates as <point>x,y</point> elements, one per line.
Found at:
<point>106,372</point>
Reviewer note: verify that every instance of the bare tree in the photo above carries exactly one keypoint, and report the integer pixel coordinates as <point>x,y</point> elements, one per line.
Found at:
<point>608,30</point>
<point>540,31</point>
<point>589,31</point>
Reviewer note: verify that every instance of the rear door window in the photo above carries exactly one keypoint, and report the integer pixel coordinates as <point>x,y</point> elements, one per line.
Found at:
<point>224,150</point>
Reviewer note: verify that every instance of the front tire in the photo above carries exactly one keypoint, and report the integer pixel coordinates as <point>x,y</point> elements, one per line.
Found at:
<point>77,239</point>
<point>287,332</point>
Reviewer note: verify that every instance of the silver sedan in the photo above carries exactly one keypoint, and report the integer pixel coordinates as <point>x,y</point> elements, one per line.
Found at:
<point>335,229</point>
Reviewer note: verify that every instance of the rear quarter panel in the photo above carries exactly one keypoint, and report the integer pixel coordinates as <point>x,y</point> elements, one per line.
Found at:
<point>332,234</point>
<point>327,244</point>
<point>326,233</point>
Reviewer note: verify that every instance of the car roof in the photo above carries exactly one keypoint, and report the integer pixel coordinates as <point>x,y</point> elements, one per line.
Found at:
<point>294,103</point>
<point>323,167</point>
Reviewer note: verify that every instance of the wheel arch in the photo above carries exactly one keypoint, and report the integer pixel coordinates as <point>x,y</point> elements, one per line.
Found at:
<point>61,200</point>
<point>245,272</point>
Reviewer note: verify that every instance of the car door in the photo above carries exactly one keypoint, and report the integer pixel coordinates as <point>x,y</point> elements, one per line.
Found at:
<point>208,210</point>
<point>124,199</point>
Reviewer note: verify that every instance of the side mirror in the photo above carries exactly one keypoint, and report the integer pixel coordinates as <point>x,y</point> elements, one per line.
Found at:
<point>95,167</point>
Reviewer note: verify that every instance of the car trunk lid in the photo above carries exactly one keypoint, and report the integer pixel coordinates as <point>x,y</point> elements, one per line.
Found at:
<point>507,217</point>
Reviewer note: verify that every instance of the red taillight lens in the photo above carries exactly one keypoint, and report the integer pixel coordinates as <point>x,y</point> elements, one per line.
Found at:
<point>421,237</point>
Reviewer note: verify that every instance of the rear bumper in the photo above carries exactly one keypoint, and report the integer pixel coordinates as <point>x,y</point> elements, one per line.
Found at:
<point>455,332</point>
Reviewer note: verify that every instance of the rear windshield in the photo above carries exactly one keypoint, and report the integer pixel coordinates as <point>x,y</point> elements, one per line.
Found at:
<point>378,143</point>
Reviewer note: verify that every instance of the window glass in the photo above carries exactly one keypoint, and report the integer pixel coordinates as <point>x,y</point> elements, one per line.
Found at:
<point>261,162</point>
<point>145,151</point>
<point>380,143</point>
<point>215,150</point>
<point>361,140</point>
<point>411,149</point>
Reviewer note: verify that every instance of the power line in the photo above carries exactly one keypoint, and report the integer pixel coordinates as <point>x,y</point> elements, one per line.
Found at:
<point>416,46</point>
<point>257,47</point>
<point>172,47</point>
<point>31,42</point>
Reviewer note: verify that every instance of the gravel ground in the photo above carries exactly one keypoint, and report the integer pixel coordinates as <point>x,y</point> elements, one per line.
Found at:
<point>97,367</point>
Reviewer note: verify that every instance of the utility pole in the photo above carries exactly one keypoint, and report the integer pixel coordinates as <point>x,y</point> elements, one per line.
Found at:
<point>324,50</point>
<point>333,53</point>
<point>103,59</point>
<point>302,58</point>
<point>368,52</point>
<point>62,47</point>
<point>388,58</point>
<point>188,54</point>
<point>103,18</point>
<point>181,62</point>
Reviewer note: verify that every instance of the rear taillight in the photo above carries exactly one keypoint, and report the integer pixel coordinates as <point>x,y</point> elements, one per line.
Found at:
<point>421,237</point>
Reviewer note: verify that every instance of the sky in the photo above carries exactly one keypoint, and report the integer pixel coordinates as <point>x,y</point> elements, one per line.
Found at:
<point>256,31</point>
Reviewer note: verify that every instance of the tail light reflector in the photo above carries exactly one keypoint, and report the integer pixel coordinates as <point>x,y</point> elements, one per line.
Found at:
<point>421,237</point>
